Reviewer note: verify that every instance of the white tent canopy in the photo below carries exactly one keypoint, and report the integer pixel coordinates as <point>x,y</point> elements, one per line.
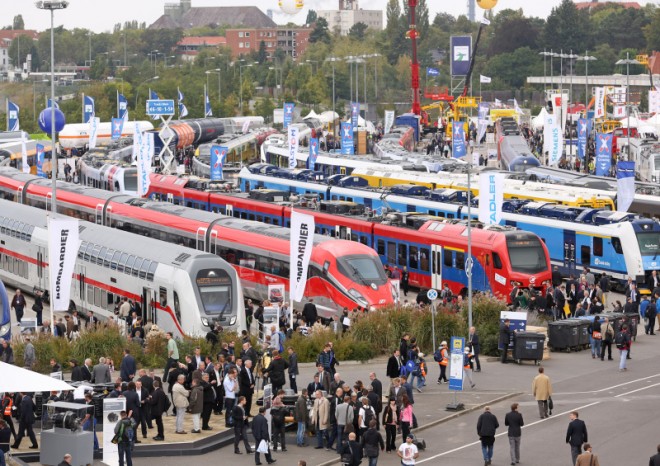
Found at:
<point>16,379</point>
<point>328,116</point>
<point>539,120</point>
<point>311,114</point>
<point>362,123</point>
<point>634,122</point>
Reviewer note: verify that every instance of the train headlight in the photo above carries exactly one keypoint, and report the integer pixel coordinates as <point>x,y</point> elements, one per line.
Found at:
<point>355,294</point>
<point>232,321</point>
<point>4,329</point>
<point>205,322</point>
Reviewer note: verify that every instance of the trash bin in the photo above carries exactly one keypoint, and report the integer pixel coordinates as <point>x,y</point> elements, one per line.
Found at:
<point>583,330</point>
<point>615,319</point>
<point>528,346</point>
<point>563,334</point>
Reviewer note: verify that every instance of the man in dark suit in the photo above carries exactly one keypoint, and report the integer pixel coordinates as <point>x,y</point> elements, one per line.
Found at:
<point>246,385</point>
<point>576,434</point>
<point>376,385</point>
<point>128,368</point>
<point>260,432</point>
<point>655,459</point>
<point>394,365</point>
<point>316,385</point>
<point>101,372</point>
<point>26,422</point>
<point>556,277</point>
<point>309,312</point>
<point>145,404</point>
<point>87,370</point>
<point>354,448</point>
<point>158,402</point>
<point>240,426</point>
<point>132,404</point>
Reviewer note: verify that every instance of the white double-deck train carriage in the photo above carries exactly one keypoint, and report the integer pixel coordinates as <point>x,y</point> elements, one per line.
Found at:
<point>110,168</point>
<point>182,290</point>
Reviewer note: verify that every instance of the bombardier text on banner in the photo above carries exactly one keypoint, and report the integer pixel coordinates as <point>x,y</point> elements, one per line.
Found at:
<point>491,196</point>
<point>302,241</point>
<point>63,246</point>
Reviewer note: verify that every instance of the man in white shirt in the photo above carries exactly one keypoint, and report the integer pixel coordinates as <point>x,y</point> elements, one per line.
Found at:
<point>231,391</point>
<point>408,451</point>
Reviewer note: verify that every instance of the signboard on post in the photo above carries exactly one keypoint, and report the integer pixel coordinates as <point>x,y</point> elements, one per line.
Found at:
<point>517,323</point>
<point>456,363</point>
<point>112,407</point>
<point>461,50</point>
<point>160,107</point>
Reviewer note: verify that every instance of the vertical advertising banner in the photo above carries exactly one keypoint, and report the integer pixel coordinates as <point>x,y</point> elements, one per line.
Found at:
<point>293,146</point>
<point>117,127</point>
<point>313,153</point>
<point>456,363</point>
<point>62,252</point>
<point>625,180</point>
<point>491,196</point>
<point>482,122</point>
<point>94,123</point>
<point>88,108</point>
<point>599,102</point>
<point>145,156</point>
<point>122,107</point>
<point>288,114</point>
<point>218,157</point>
<point>347,139</point>
<point>389,120</point>
<point>12,116</point>
<point>458,146</point>
<point>302,241</point>
<point>654,101</point>
<point>112,407</point>
<point>552,141</point>
<point>461,50</point>
<point>24,158</point>
<point>355,113</point>
<point>582,128</point>
<point>40,161</point>
<point>603,154</point>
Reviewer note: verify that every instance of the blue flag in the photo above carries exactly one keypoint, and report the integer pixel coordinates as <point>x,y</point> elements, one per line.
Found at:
<point>355,113</point>
<point>12,116</point>
<point>218,156</point>
<point>40,160</point>
<point>313,153</point>
<point>625,180</point>
<point>603,154</point>
<point>288,114</point>
<point>49,103</point>
<point>458,147</point>
<point>117,127</point>
<point>122,107</point>
<point>153,95</point>
<point>432,71</point>
<point>88,108</point>
<point>347,139</point>
<point>207,104</point>
<point>583,133</point>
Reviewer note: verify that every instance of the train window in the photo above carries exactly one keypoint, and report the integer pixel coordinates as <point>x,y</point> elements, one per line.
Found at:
<point>110,301</point>
<point>90,294</point>
<point>616,244</point>
<point>598,246</point>
<point>250,216</point>
<point>364,240</point>
<point>460,260</point>
<point>95,253</point>
<point>177,307</point>
<point>424,259</point>
<point>497,262</point>
<point>447,258</point>
<point>162,296</point>
<point>152,271</point>
<point>585,255</point>
<point>403,254</point>
<point>413,257</point>
<point>136,267</point>
<point>260,218</point>
<point>276,221</point>
<point>115,260</point>
<point>108,257</point>
<point>122,261</point>
<point>144,269</point>
<point>101,256</point>
<point>97,297</point>
<point>129,264</point>
<point>391,253</point>
<point>380,247</point>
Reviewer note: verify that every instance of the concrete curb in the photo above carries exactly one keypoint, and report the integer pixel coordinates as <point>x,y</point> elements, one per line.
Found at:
<point>447,418</point>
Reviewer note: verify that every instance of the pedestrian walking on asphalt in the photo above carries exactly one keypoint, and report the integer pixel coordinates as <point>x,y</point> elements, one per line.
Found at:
<point>372,443</point>
<point>441,356</point>
<point>587,458</point>
<point>576,434</point>
<point>514,421</point>
<point>505,339</point>
<point>406,416</point>
<point>260,433</point>
<point>655,459</point>
<point>623,345</point>
<point>595,337</point>
<point>542,391</point>
<point>607,334</point>
<point>408,451</point>
<point>487,424</point>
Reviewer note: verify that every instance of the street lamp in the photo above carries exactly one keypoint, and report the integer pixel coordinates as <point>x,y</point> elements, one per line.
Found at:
<point>628,62</point>
<point>215,71</point>
<point>276,69</point>
<point>334,119</point>
<point>375,55</point>
<point>314,61</point>
<point>89,35</point>
<point>137,89</point>
<point>571,56</point>
<point>586,59</point>
<point>545,55</point>
<point>153,55</point>
<point>165,57</point>
<point>240,76</point>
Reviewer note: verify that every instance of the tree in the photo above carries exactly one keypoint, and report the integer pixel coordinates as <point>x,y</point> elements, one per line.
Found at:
<point>311,17</point>
<point>264,108</point>
<point>262,55</point>
<point>512,69</point>
<point>18,23</point>
<point>567,28</point>
<point>510,28</point>
<point>392,16</point>
<point>422,19</point>
<point>652,32</point>
<point>357,31</point>
<point>320,32</point>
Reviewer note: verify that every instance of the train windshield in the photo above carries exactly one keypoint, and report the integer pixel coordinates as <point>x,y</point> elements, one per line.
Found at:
<point>362,269</point>
<point>649,243</point>
<point>526,255</point>
<point>215,291</point>
<point>130,181</point>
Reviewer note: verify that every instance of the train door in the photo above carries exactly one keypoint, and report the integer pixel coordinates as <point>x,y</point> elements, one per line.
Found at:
<point>80,284</point>
<point>436,267</point>
<point>148,302</point>
<point>342,232</point>
<point>41,269</point>
<point>229,210</point>
<point>200,243</point>
<point>99,214</point>
<point>170,198</point>
<point>569,250</point>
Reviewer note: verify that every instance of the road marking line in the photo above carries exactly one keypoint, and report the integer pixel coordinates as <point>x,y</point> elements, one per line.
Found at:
<point>638,390</point>
<point>607,388</point>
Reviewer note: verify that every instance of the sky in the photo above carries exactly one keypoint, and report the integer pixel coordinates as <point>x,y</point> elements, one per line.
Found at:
<point>102,15</point>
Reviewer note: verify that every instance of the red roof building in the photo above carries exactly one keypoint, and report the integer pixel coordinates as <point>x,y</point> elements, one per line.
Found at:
<point>189,47</point>
<point>6,38</point>
<point>293,41</point>
<point>590,5</point>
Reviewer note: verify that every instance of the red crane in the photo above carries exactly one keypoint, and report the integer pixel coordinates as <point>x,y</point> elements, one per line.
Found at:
<point>413,35</point>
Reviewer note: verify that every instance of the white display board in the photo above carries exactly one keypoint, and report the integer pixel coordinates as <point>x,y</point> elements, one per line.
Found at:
<point>112,408</point>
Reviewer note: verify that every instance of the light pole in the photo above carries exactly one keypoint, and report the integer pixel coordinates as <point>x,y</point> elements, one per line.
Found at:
<point>586,59</point>
<point>125,63</point>
<point>137,89</point>
<point>314,61</point>
<point>276,69</point>
<point>215,71</point>
<point>628,62</point>
<point>153,55</point>
<point>545,55</point>
<point>571,56</point>
<point>89,35</point>
<point>375,55</point>
<point>334,119</point>
<point>240,76</point>
<point>165,57</point>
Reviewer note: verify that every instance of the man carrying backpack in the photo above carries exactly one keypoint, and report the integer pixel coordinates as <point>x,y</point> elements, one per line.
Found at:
<point>125,432</point>
<point>441,356</point>
<point>623,343</point>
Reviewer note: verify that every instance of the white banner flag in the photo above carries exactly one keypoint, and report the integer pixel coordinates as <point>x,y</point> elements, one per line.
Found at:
<point>484,79</point>
<point>654,101</point>
<point>389,120</point>
<point>93,131</point>
<point>63,247</point>
<point>560,109</point>
<point>491,196</point>
<point>293,145</point>
<point>302,241</point>
<point>246,126</point>
<point>145,156</point>
<point>24,159</point>
<point>552,141</point>
<point>619,111</point>
<point>599,102</point>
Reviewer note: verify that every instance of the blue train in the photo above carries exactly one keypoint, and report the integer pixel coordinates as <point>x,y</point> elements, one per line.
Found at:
<point>616,243</point>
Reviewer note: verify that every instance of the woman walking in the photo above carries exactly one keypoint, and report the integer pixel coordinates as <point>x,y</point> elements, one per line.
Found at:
<point>406,416</point>
<point>391,418</point>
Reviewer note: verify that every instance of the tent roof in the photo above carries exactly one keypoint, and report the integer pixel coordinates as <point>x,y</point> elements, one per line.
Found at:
<point>539,120</point>
<point>311,114</point>
<point>17,379</point>
<point>328,116</point>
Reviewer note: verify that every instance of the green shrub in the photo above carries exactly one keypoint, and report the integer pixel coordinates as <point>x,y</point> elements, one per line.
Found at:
<point>101,342</point>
